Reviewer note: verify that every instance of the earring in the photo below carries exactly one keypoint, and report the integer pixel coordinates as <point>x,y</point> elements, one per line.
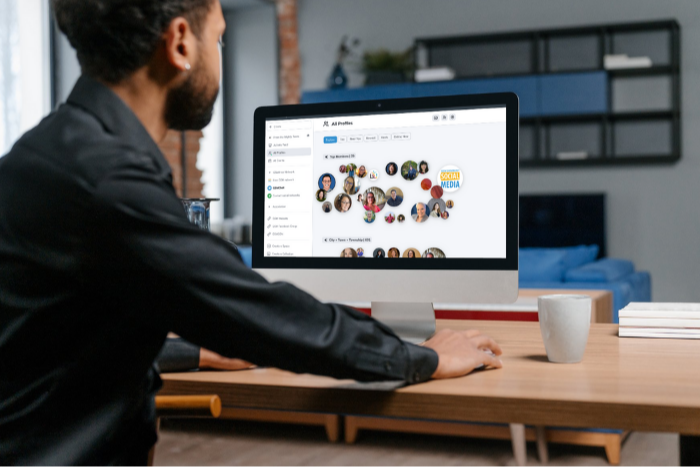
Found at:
<point>187,66</point>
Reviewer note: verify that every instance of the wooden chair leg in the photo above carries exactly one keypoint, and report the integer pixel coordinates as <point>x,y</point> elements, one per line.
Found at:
<point>517,435</point>
<point>612,449</point>
<point>351,430</point>
<point>541,438</point>
<point>332,425</point>
<point>152,452</point>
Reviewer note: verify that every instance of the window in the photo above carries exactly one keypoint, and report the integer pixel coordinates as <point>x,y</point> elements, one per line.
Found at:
<point>25,95</point>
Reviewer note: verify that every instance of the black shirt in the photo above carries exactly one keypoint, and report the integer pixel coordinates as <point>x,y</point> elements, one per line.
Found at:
<point>98,262</point>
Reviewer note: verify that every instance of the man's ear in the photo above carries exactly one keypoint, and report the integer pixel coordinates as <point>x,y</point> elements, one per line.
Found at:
<point>180,45</point>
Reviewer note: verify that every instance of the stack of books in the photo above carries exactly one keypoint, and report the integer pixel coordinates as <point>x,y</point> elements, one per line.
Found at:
<point>662,320</point>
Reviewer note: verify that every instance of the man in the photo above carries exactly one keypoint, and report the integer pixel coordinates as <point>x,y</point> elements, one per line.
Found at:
<point>394,200</point>
<point>420,215</point>
<point>412,173</point>
<point>326,181</point>
<point>99,262</point>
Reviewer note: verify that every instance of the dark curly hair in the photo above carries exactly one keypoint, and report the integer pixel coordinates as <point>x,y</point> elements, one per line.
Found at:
<point>114,38</point>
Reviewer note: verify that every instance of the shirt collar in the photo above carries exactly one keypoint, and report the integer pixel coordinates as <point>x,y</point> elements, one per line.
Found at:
<point>115,116</point>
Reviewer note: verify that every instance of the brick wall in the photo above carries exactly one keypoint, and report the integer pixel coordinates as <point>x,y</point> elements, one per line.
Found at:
<point>290,66</point>
<point>172,150</point>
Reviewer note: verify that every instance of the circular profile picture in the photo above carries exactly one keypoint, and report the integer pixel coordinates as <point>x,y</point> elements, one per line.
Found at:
<point>401,218</point>
<point>450,178</point>
<point>436,192</point>
<point>351,185</point>
<point>445,215</point>
<point>426,184</point>
<point>420,212</point>
<point>369,217</point>
<point>350,169</point>
<point>393,253</point>
<point>409,170</point>
<point>423,168</point>
<point>320,195</point>
<point>362,171</point>
<point>450,204</point>
<point>433,253</point>
<point>342,203</point>
<point>342,169</point>
<point>326,182</point>
<point>389,217</point>
<point>394,197</point>
<point>360,252</point>
<point>374,199</point>
<point>326,206</point>
<point>392,168</point>
<point>437,207</point>
<point>348,253</point>
<point>373,175</point>
<point>411,253</point>
<point>379,253</point>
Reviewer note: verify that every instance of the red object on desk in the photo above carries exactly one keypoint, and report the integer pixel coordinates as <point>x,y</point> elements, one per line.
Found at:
<point>485,315</point>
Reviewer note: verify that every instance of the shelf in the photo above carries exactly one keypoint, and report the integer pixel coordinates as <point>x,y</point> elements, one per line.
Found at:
<point>650,115</point>
<point>619,117</point>
<point>659,159</point>
<point>593,117</point>
<point>650,71</point>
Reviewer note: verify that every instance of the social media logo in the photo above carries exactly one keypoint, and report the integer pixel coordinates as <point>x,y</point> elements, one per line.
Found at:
<point>269,188</point>
<point>450,178</point>
<point>269,195</point>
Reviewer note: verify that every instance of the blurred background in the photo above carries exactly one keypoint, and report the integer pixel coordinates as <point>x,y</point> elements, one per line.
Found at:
<point>608,92</point>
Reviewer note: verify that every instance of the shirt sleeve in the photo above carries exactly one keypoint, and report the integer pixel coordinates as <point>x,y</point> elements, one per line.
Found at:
<point>177,355</point>
<point>182,279</point>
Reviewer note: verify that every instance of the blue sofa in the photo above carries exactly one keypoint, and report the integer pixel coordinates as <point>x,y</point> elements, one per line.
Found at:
<point>578,268</point>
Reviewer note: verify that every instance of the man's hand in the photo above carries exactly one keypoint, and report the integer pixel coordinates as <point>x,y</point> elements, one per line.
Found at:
<point>460,352</point>
<point>214,361</point>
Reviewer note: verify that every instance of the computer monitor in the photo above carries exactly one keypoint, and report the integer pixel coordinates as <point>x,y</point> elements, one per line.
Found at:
<point>400,203</point>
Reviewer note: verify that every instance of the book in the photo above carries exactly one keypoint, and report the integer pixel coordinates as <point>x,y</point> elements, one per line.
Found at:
<point>662,333</point>
<point>660,323</point>
<point>623,61</point>
<point>661,310</point>
<point>662,306</point>
<point>660,320</point>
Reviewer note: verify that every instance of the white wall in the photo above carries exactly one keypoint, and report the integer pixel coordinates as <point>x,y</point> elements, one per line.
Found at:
<point>251,74</point>
<point>653,212</point>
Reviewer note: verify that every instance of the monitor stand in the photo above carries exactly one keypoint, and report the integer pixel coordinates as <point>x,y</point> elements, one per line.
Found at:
<point>412,322</point>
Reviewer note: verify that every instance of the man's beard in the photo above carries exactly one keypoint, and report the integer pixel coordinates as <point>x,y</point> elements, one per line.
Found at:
<point>191,105</point>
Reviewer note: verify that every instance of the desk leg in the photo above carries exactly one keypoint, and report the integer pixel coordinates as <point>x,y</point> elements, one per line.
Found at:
<point>332,425</point>
<point>690,450</point>
<point>517,436</point>
<point>541,438</point>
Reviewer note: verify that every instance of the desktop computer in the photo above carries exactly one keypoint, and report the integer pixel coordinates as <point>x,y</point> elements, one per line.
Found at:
<point>398,204</point>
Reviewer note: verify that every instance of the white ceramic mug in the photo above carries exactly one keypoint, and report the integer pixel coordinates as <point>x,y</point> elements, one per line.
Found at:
<point>564,322</point>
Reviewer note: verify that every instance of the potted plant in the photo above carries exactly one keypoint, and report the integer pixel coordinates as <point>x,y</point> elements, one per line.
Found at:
<point>383,66</point>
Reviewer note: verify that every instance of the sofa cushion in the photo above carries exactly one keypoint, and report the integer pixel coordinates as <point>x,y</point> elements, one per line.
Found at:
<point>574,256</point>
<point>604,270</point>
<point>579,255</point>
<point>541,264</point>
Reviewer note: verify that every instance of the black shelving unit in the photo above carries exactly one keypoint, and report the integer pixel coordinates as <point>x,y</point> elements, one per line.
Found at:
<point>642,123</point>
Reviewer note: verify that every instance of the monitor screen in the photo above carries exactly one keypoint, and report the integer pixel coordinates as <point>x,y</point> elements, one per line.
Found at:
<point>406,184</point>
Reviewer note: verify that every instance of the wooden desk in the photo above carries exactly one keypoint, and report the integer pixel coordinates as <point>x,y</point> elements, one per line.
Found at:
<point>634,384</point>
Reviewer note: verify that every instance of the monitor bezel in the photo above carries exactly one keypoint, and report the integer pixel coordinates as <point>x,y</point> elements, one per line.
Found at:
<point>374,107</point>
